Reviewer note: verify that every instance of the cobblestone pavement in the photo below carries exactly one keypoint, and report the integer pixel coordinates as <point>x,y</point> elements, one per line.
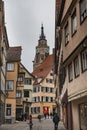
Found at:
<point>45,124</point>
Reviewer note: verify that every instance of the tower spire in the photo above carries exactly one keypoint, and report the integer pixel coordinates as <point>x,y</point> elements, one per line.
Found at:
<point>42,36</point>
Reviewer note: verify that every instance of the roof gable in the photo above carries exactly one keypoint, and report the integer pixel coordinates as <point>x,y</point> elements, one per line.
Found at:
<point>25,70</point>
<point>43,70</point>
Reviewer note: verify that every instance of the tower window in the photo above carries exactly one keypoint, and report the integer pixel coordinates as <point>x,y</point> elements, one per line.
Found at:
<point>42,57</point>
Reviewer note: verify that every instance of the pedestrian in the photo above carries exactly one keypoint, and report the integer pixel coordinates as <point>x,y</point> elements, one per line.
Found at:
<point>30,121</point>
<point>30,117</point>
<point>30,124</point>
<point>56,121</point>
<point>48,115</point>
<point>39,117</point>
<point>22,117</point>
<point>51,115</point>
<point>45,115</point>
<point>25,116</point>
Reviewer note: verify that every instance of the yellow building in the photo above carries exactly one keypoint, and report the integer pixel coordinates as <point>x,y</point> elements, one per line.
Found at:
<point>3,52</point>
<point>23,93</point>
<point>13,61</point>
<point>43,88</point>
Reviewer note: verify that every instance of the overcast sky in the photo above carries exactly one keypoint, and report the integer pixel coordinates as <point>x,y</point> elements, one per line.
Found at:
<point>23,20</point>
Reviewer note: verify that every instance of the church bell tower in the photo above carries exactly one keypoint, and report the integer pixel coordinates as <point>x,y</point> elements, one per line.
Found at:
<point>42,49</point>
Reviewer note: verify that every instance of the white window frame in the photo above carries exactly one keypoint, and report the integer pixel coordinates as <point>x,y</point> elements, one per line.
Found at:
<point>9,85</point>
<point>74,22</point>
<point>10,66</point>
<point>28,81</point>
<point>44,99</point>
<point>20,77</point>
<point>18,94</point>
<point>84,60</point>
<point>66,33</point>
<point>76,67</point>
<point>70,72</point>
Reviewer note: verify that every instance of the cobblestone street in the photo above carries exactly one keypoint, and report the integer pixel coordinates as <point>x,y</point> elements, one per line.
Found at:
<point>43,125</point>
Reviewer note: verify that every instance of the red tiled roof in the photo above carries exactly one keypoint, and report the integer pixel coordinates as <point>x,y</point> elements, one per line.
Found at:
<point>14,54</point>
<point>45,67</point>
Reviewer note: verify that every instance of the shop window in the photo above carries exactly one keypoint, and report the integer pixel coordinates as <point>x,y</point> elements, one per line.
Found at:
<point>45,110</point>
<point>83,116</point>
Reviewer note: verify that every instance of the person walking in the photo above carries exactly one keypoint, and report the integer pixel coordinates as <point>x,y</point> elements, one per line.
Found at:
<point>45,115</point>
<point>51,115</point>
<point>48,115</point>
<point>56,121</point>
<point>30,117</point>
<point>39,117</point>
<point>30,121</point>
